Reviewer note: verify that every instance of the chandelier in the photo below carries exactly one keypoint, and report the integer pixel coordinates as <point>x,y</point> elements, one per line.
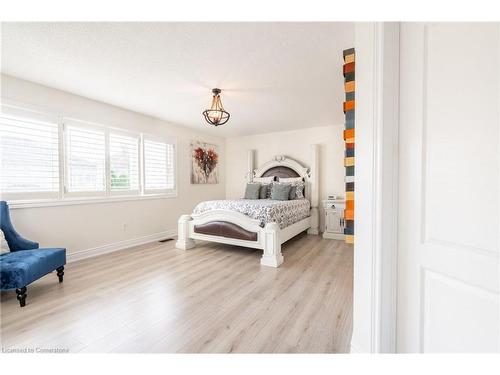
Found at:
<point>216,115</point>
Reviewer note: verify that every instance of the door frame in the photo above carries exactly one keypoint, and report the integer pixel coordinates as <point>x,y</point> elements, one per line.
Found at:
<point>376,223</point>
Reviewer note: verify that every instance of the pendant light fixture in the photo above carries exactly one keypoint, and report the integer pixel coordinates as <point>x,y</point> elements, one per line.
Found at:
<point>216,115</point>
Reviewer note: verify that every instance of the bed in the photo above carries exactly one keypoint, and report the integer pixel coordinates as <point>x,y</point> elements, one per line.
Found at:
<point>257,223</point>
<point>283,213</point>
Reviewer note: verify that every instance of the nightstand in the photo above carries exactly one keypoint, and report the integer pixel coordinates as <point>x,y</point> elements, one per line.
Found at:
<point>334,219</point>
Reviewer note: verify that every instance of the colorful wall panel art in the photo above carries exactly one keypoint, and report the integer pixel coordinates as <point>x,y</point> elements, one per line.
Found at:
<point>349,161</point>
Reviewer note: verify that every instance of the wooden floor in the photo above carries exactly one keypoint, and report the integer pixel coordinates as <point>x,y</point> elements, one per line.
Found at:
<point>211,299</point>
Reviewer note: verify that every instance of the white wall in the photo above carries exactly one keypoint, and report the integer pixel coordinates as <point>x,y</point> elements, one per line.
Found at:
<point>296,145</point>
<point>86,226</point>
<point>362,335</point>
<point>377,93</point>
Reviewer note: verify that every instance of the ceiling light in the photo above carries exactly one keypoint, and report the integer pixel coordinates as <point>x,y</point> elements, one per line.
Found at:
<point>216,115</point>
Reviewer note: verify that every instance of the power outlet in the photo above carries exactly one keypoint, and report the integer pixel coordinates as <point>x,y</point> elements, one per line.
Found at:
<point>125,227</point>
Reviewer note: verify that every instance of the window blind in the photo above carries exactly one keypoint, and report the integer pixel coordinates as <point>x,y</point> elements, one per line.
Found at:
<point>158,165</point>
<point>39,151</point>
<point>29,157</point>
<point>85,159</point>
<point>124,162</point>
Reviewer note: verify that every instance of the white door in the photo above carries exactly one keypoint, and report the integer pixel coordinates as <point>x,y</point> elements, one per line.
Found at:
<point>448,271</point>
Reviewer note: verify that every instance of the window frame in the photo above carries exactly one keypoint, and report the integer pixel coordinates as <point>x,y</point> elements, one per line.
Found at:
<point>129,192</point>
<point>33,117</point>
<point>62,196</point>
<point>67,122</point>
<point>169,141</point>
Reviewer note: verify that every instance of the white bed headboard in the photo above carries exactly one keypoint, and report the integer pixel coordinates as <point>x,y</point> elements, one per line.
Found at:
<point>283,166</point>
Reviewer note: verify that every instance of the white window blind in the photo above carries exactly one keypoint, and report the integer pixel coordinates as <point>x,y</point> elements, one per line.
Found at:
<point>158,166</point>
<point>85,160</point>
<point>45,156</point>
<point>29,158</point>
<point>124,163</point>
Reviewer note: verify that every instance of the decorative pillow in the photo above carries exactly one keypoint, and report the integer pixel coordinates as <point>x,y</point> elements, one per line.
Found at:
<point>4,246</point>
<point>264,180</point>
<point>296,188</point>
<point>265,191</point>
<point>280,192</point>
<point>252,191</point>
<point>269,188</point>
<point>299,191</point>
<point>291,179</point>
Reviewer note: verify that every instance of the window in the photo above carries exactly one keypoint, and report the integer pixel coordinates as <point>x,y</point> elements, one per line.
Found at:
<point>29,158</point>
<point>85,160</point>
<point>47,157</point>
<point>158,166</point>
<point>124,163</point>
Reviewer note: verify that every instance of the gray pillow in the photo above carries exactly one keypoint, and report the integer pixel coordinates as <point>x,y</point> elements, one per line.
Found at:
<point>280,192</point>
<point>264,191</point>
<point>252,191</point>
<point>297,189</point>
<point>300,190</point>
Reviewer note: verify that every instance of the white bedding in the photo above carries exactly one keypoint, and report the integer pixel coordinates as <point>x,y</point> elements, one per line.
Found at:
<point>284,213</point>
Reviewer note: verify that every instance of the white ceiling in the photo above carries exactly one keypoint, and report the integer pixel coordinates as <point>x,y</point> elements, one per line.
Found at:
<point>274,76</point>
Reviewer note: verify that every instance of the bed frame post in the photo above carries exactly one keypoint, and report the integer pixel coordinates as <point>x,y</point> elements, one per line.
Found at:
<point>250,165</point>
<point>183,240</point>
<point>272,256</point>
<point>314,190</point>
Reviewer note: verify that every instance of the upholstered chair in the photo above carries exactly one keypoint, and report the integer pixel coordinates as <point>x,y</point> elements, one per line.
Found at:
<point>25,262</point>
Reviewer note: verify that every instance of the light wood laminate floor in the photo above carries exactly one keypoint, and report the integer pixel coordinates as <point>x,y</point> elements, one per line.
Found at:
<point>211,299</point>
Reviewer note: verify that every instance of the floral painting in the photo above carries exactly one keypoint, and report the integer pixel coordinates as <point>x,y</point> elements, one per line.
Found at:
<point>204,163</point>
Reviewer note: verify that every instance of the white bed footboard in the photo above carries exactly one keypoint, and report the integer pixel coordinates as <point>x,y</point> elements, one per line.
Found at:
<point>269,238</point>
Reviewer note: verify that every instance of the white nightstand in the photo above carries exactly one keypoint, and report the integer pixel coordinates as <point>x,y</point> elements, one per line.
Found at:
<point>334,219</point>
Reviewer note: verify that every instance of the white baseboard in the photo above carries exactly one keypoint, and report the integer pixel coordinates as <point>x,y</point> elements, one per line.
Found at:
<point>334,236</point>
<point>109,248</point>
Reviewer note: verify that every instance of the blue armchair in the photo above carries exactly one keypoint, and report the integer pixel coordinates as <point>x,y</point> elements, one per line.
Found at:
<point>25,262</point>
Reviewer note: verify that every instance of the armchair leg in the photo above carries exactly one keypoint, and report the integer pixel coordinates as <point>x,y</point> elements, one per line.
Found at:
<point>21,296</point>
<point>60,273</point>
